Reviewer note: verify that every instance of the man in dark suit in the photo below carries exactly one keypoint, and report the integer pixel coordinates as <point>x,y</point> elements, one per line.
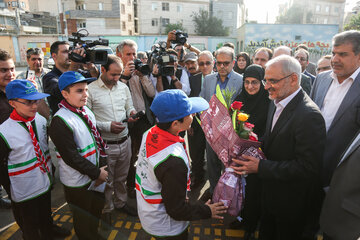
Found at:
<point>293,146</point>
<point>196,138</point>
<point>340,216</point>
<point>336,92</point>
<point>226,78</point>
<point>303,57</point>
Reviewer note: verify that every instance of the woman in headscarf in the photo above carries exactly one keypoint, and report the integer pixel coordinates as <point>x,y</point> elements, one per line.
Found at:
<point>242,62</point>
<point>256,103</point>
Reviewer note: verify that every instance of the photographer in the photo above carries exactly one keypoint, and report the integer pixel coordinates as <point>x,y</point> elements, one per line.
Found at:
<point>179,38</point>
<point>142,91</point>
<point>177,78</point>
<point>60,53</point>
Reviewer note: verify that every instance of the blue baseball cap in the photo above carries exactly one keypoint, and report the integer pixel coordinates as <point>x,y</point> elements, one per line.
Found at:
<point>24,89</point>
<point>171,105</point>
<point>71,77</point>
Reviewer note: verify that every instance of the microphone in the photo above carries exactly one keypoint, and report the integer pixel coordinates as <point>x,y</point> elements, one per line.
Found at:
<point>137,115</point>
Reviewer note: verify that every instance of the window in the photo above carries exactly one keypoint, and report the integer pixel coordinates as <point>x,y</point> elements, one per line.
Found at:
<point>129,2</point>
<point>297,38</point>
<point>14,4</point>
<point>130,32</point>
<point>81,7</point>
<point>22,4</point>
<point>154,6</point>
<point>231,15</point>
<point>165,21</point>
<point>82,24</point>
<point>154,22</point>
<point>101,6</point>
<point>325,21</point>
<point>179,8</point>
<point>327,9</point>
<point>129,17</point>
<point>136,26</point>
<point>122,8</point>
<point>318,8</point>
<point>123,26</point>
<point>336,9</point>
<point>165,6</point>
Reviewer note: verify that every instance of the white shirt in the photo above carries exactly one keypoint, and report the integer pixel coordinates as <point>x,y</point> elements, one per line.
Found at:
<point>281,105</point>
<point>335,96</point>
<point>184,82</point>
<point>109,105</point>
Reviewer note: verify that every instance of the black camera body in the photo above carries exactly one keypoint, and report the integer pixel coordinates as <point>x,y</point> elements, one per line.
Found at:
<point>181,37</point>
<point>163,59</point>
<point>96,56</point>
<point>142,67</point>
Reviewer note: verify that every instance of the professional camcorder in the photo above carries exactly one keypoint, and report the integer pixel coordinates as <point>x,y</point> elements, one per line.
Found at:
<point>96,56</point>
<point>163,59</point>
<point>181,37</point>
<point>142,67</point>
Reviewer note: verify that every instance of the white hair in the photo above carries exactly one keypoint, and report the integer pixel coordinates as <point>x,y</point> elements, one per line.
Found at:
<point>207,53</point>
<point>288,65</point>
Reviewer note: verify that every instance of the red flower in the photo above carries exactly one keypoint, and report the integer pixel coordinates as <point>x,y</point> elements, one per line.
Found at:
<point>249,125</point>
<point>236,105</point>
<point>253,136</point>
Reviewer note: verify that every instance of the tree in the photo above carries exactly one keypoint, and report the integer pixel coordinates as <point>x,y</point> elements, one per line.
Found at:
<point>174,26</point>
<point>295,15</point>
<point>206,25</point>
<point>354,23</point>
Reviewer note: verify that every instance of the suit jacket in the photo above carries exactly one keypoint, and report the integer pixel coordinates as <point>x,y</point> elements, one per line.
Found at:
<point>311,68</point>
<point>209,85</point>
<point>195,84</point>
<point>293,150</point>
<point>345,125</point>
<point>305,83</point>
<point>312,77</point>
<point>340,216</point>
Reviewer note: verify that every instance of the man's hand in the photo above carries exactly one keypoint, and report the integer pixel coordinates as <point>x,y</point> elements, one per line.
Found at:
<point>247,164</point>
<point>116,127</point>
<point>138,73</point>
<point>129,68</point>
<point>130,119</point>
<point>216,209</point>
<point>103,177</point>
<point>74,66</point>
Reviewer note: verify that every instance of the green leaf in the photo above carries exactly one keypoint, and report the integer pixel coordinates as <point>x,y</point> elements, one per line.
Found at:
<point>220,96</point>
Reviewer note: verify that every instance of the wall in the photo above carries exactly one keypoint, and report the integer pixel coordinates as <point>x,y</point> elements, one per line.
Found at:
<point>43,42</point>
<point>7,44</point>
<point>316,37</point>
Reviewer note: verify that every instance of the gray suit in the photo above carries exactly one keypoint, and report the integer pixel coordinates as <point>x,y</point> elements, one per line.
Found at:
<point>344,126</point>
<point>340,216</point>
<point>235,82</point>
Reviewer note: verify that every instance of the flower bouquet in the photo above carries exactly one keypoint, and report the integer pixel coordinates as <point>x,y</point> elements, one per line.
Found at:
<point>230,135</point>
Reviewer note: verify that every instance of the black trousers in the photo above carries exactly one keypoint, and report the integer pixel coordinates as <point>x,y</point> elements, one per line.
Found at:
<point>197,145</point>
<point>252,205</point>
<point>86,207</point>
<point>136,130</point>
<point>34,217</point>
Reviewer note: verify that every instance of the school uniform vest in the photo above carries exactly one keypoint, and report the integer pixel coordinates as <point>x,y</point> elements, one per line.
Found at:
<point>27,180</point>
<point>151,209</point>
<point>86,146</point>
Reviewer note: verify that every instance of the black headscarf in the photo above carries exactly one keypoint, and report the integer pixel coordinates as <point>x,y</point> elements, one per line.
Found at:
<point>247,59</point>
<point>256,105</point>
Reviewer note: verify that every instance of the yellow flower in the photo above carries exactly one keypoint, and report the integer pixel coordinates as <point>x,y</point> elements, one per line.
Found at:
<point>243,117</point>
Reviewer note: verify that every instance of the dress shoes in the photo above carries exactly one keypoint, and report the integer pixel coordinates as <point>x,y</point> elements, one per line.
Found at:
<point>128,210</point>
<point>60,231</point>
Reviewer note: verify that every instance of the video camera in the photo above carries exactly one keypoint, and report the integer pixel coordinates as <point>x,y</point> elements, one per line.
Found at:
<point>142,67</point>
<point>181,37</point>
<point>96,56</point>
<point>163,59</point>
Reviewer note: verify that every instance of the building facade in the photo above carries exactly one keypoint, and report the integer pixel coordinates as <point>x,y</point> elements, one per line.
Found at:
<point>231,12</point>
<point>104,17</point>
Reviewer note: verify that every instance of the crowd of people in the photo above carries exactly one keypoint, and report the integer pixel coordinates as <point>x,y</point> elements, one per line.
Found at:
<point>119,133</point>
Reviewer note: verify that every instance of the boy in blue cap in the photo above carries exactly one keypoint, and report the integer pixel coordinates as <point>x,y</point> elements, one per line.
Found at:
<point>163,170</point>
<point>79,147</point>
<point>23,142</point>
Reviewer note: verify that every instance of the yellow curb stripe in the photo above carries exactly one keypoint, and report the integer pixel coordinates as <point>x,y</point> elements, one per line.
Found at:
<point>64,218</point>
<point>71,235</point>
<point>112,235</point>
<point>128,225</point>
<point>132,236</point>
<point>137,226</point>
<point>207,231</point>
<point>9,232</point>
<point>118,224</point>
<point>234,233</point>
<point>217,231</point>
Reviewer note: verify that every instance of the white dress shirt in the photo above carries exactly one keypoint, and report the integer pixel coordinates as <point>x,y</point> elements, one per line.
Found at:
<point>109,105</point>
<point>335,96</point>
<point>281,105</point>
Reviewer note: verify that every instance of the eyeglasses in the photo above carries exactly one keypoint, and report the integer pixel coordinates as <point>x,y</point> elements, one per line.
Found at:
<point>274,81</point>
<point>225,64</point>
<point>28,103</point>
<point>207,63</point>
<point>254,83</point>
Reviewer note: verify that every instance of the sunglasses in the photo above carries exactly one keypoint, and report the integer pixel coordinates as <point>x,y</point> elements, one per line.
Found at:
<point>207,63</point>
<point>225,64</point>
<point>28,103</point>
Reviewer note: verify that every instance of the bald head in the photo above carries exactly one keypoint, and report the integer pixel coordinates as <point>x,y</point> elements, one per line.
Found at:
<point>282,50</point>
